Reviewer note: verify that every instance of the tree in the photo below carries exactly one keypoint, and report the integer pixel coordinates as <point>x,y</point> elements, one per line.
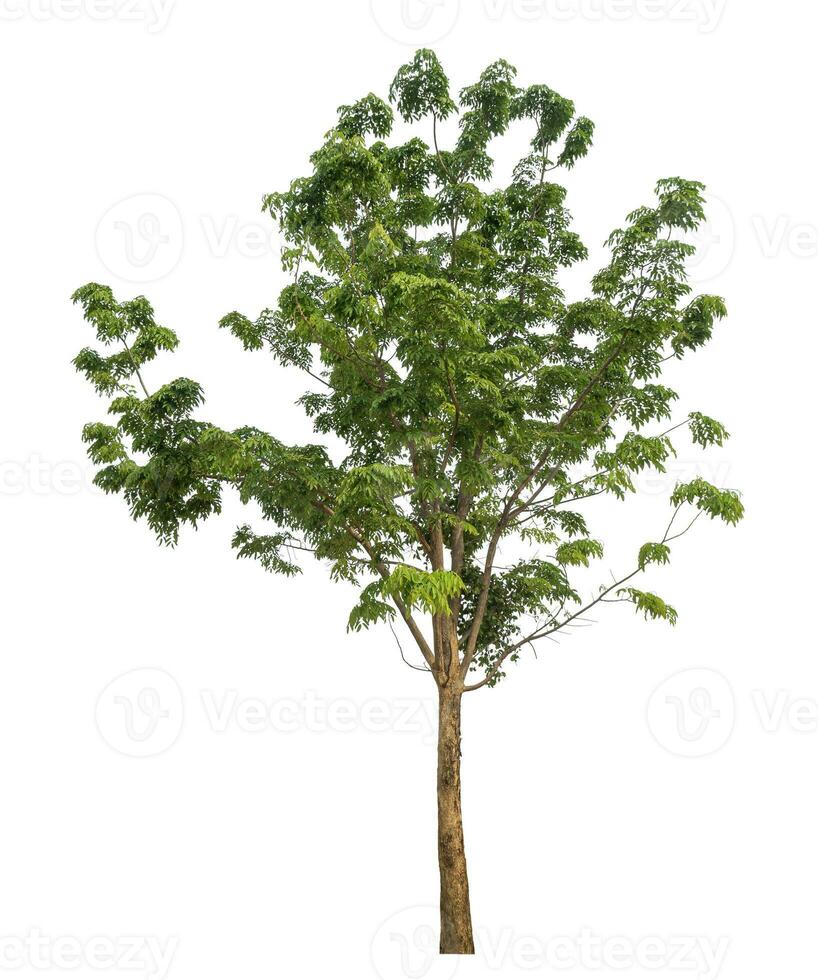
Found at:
<point>477,406</point>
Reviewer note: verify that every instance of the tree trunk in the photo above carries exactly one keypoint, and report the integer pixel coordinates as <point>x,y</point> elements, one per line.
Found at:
<point>455,910</point>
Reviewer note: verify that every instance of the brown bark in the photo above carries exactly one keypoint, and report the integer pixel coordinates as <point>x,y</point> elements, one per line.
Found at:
<point>455,910</point>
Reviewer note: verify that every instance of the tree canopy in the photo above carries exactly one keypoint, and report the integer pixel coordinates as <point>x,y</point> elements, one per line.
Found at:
<point>476,403</point>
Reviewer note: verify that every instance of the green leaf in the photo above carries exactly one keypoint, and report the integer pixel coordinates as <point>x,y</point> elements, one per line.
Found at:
<point>429,591</point>
<point>266,549</point>
<point>579,552</point>
<point>724,504</point>
<point>650,605</point>
<point>706,431</point>
<point>653,553</point>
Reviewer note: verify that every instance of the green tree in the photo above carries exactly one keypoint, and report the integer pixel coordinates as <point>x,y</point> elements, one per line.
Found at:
<point>477,406</point>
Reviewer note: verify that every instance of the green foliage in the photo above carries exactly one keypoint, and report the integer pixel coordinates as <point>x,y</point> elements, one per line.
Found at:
<point>526,589</point>
<point>429,591</point>
<point>370,608</point>
<point>706,431</point>
<point>130,324</point>
<point>266,549</point>
<point>579,552</point>
<point>695,325</point>
<point>724,504</point>
<point>473,406</point>
<point>421,88</point>
<point>369,116</point>
<point>650,605</point>
<point>653,553</point>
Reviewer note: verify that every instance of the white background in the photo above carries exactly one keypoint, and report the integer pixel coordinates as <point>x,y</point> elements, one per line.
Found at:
<point>290,848</point>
